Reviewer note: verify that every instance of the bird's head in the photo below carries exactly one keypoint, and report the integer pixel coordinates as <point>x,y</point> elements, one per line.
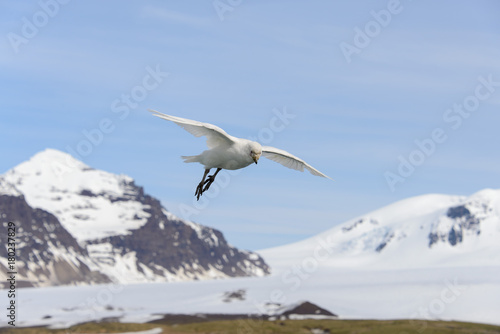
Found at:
<point>255,151</point>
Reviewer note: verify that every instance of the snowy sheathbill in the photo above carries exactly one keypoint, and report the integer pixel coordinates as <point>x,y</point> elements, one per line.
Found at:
<point>229,152</point>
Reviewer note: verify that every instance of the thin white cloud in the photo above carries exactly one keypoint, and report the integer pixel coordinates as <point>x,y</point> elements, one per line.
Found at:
<point>172,16</point>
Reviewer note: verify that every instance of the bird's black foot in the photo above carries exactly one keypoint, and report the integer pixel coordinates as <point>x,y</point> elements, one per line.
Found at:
<point>199,188</point>
<point>199,191</point>
<point>208,182</point>
<point>204,185</point>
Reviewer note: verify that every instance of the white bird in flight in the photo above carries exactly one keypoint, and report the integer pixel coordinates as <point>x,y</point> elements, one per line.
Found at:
<point>228,152</point>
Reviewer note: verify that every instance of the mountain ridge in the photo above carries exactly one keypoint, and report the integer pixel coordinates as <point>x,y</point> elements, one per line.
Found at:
<point>426,230</point>
<point>120,231</point>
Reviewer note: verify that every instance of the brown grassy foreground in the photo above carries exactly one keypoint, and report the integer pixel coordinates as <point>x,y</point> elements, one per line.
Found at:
<point>287,326</point>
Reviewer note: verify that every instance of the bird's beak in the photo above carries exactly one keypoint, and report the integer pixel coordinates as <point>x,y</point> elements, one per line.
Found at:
<point>255,157</point>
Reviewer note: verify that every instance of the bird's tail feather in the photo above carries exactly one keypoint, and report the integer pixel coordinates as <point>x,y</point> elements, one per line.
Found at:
<point>190,158</point>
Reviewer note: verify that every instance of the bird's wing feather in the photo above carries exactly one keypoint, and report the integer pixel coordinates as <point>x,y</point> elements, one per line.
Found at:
<point>215,135</point>
<point>289,160</point>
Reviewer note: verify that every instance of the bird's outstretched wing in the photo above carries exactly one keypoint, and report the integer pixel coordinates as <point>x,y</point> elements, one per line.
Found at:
<point>215,135</point>
<point>289,160</point>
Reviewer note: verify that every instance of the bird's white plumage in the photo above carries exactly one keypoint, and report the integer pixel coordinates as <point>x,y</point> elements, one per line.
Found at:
<point>215,135</point>
<point>228,152</point>
<point>289,160</point>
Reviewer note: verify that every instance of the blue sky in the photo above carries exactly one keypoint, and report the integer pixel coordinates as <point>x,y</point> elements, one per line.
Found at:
<point>363,81</point>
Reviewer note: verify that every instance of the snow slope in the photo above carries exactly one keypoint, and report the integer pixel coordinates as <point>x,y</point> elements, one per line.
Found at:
<point>425,294</point>
<point>58,183</point>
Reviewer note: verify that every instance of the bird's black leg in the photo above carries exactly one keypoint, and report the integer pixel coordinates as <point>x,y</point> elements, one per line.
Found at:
<point>210,180</point>
<point>199,188</point>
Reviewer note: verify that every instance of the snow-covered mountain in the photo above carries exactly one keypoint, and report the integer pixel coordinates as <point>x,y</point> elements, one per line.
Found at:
<point>419,232</point>
<point>105,228</point>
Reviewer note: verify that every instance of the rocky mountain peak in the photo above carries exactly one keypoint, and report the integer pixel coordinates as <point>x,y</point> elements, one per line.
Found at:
<point>126,234</point>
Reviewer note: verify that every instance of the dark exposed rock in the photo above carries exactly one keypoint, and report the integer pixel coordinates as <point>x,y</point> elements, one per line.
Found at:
<point>359,222</point>
<point>381,246</point>
<point>176,246</point>
<point>42,242</point>
<point>236,295</point>
<point>307,308</point>
<point>458,212</point>
<point>433,238</point>
<point>388,237</point>
<point>86,192</point>
<point>454,237</point>
<point>304,309</point>
<point>464,221</point>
